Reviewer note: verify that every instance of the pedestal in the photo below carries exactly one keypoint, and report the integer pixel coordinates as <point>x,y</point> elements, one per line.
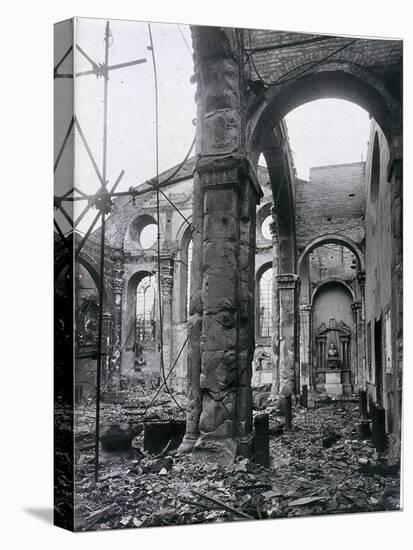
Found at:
<point>333,385</point>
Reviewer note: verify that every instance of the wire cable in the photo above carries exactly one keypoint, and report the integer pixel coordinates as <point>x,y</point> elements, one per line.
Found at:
<point>282,80</point>
<point>184,39</point>
<point>161,353</point>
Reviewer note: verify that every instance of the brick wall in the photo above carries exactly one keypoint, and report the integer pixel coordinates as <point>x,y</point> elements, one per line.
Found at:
<point>331,202</point>
<point>377,55</point>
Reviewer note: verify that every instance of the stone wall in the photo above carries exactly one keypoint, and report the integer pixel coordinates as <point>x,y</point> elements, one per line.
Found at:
<point>383,383</point>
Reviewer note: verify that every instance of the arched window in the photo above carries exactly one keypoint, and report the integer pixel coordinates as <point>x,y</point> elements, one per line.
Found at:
<point>145,309</point>
<point>375,171</point>
<point>265,304</point>
<point>374,181</point>
<point>188,277</point>
<point>265,228</point>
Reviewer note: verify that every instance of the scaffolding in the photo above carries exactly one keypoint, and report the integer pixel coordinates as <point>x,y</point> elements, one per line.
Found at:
<point>102,202</point>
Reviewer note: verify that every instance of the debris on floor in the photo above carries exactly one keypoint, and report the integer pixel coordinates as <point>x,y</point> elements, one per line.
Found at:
<point>319,467</point>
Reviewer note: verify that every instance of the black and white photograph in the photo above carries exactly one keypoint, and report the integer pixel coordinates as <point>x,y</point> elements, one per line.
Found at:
<point>228,272</point>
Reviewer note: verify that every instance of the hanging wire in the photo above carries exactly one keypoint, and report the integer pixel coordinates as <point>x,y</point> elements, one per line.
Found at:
<point>161,354</point>
<point>184,39</point>
<point>282,79</point>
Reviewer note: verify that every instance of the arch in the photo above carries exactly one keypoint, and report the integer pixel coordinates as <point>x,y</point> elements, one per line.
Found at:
<point>131,239</point>
<point>332,323</point>
<point>263,212</point>
<point>183,273</point>
<point>332,239</point>
<point>374,187</point>
<point>280,171</point>
<point>92,272</point>
<point>145,318</point>
<point>130,314</point>
<point>263,289</point>
<point>339,80</point>
<point>332,281</point>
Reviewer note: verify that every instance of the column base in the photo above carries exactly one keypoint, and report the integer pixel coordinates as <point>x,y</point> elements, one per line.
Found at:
<point>187,445</point>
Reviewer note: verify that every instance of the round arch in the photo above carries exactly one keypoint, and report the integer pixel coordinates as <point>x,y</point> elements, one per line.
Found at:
<point>130,312</point>
<point>132,237</point>
<point>91,270</point>
<point>262,213</point>
<point>184,238</point>
<point>332,281</point>
<point>261,271</point>
<point>332,239</point>
<point>339,80</point>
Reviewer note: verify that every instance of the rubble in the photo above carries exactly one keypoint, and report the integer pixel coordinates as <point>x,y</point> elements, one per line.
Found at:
<point>305,477</point>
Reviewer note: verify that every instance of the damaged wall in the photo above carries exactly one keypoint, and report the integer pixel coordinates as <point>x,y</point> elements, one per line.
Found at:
<point>383,367</point>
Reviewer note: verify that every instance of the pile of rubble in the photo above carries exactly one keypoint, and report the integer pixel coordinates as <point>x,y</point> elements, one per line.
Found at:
<point>318,467</point>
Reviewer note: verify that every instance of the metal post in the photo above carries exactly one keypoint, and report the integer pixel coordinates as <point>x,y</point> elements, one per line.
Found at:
<point>105,103</point>
<point>158,212</point>
<point>99,347</point>
<point>102,253</point>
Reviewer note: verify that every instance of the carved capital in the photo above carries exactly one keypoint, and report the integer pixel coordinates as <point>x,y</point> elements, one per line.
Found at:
<point>307,308</point>
<point>361,278</point>
<point>288,281</point>
<point>356,306</point>
<point>228,171</point>
<point>167,275</point>
<point>118,276</point>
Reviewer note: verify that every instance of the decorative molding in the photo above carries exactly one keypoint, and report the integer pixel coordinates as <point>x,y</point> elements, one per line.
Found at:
<point>333,325</point>
<point>361,278</point>
<point>118,276</point>
<point>287,281</point>
<point>166,275</point>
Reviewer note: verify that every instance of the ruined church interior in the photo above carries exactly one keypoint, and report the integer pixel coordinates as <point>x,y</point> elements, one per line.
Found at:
<point>245,313</point>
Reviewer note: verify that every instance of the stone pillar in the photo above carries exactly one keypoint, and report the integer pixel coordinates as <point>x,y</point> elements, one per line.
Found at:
<point>287,284</point>
<point>357,347</point>
<point>361,331</point>
<point>306,370</point>
<point>221,313</point>
<point>275,339</point>
<point>227,338</point>
<point>395,177</point>
<point>118,283</point>
<point>167,278</point>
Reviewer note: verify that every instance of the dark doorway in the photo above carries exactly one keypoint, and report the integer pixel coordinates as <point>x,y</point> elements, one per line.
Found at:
<point>378,360</point>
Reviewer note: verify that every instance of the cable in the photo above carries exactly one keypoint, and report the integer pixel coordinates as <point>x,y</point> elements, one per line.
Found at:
<point>164,382</point>
<point>281,80</point>
<point>161,356</point>
<point>184,39</point>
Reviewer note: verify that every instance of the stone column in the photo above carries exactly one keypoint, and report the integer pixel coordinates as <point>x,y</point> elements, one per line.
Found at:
<point>275,339</point>
<point>166,276</point>
<point>395,177</point>
<point>221,321</point>
<point>287,299</point>
<point>361,331</point>
<point>118,283</point>
<point>306,374</point>
<point>357,347</point>
<point>227,338</point>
